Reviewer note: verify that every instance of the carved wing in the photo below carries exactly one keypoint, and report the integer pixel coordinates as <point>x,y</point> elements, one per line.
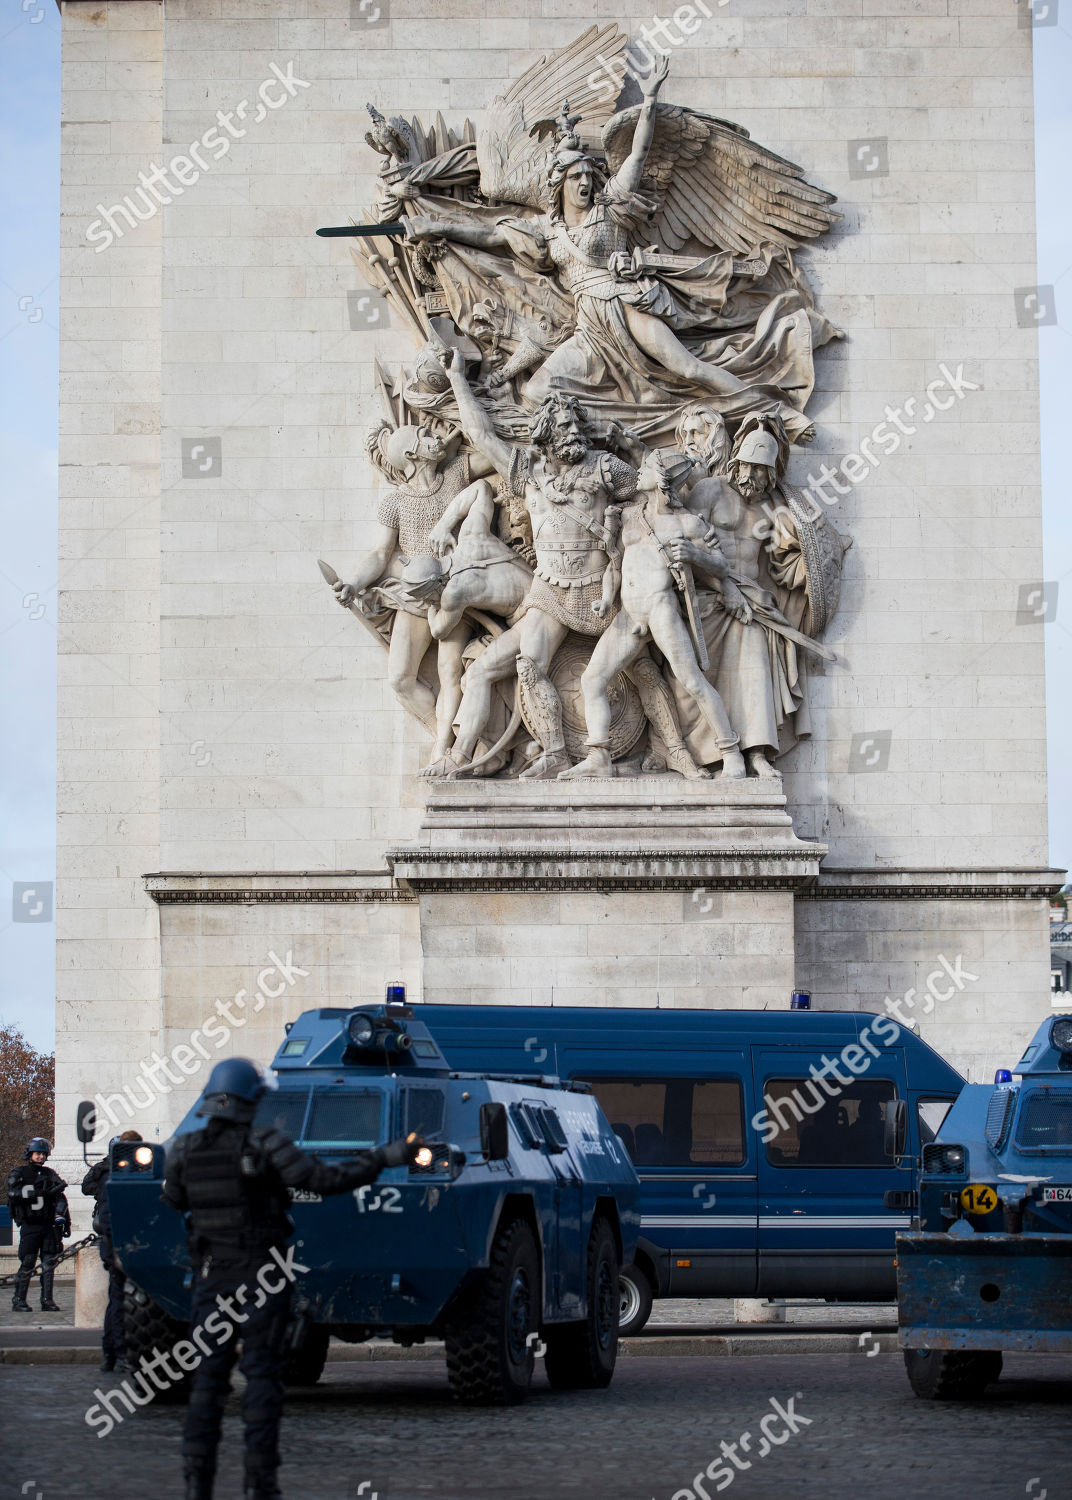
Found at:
<point>718,189</point>
<point>514,163</point>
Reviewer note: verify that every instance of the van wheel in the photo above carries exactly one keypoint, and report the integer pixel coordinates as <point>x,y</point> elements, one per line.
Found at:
<point>490,1337</point>
<point>305,1366</point>
<point>635,1299</point>
<point>581,1356</point>
<point>951,1374</point>
<point>146,1328</point>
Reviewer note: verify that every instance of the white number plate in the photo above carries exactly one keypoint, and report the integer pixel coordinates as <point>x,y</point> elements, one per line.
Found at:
<point>1057,1195</point>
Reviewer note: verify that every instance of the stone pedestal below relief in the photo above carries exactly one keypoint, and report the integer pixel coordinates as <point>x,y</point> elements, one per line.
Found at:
<point>646,891</point>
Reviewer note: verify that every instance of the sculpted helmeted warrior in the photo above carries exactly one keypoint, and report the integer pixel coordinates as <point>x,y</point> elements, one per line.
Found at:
<point>755,649</point>
<point>595,292</point>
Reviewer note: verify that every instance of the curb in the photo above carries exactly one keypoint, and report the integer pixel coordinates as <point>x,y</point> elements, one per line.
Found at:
<point>711,1346</point>
<point>724,1346</point>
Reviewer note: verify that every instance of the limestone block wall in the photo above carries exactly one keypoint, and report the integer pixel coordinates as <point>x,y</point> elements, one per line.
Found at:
<point>861,954</point>
<point>213,956</point>
<point>642,948</point>
<point>108,955</point>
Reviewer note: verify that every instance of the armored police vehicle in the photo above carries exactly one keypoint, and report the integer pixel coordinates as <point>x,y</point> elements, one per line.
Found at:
<point>504,1237</point>
<point>988,1263</point>
<point>755,1179</point>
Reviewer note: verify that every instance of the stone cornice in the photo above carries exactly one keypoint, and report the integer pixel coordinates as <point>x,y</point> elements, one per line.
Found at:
<point>549,868</point>
<point>255,888</point>
<point>930,884</point>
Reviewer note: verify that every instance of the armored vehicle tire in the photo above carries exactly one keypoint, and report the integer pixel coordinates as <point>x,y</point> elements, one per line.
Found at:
<point>147,1327</point>
<point>489,1342</point>
<point>581,1356</point>
<point>636,1296</point>
<point>305,1366</point>
<point>951,1374</point>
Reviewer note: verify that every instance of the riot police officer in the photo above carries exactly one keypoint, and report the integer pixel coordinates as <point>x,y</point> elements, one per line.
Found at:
<point>230,1179</point>
<point>38,1206</point>
<point>94,1185</point>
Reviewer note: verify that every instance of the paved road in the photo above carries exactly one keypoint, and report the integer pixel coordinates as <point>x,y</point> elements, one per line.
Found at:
<point>394,1430</point>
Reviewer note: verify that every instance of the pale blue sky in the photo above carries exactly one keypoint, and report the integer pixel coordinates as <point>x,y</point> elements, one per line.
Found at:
<point>29,264</point>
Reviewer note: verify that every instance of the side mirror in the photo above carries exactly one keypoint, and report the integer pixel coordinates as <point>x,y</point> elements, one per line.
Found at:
<point>85,1122</point>
<point>494,1131</point>
<point>894,1127</point>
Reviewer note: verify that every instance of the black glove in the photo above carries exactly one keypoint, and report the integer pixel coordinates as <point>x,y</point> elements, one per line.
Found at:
<point>401,1152</point>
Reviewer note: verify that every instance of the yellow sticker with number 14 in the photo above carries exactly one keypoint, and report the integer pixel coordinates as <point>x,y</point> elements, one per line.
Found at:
<point>978,1199</point>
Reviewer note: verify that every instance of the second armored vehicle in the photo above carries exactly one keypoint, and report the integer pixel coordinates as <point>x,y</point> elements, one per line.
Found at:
<point>987,1267</point>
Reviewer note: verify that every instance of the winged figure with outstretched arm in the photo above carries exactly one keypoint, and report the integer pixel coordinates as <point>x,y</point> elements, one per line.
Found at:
<point>652,328</point>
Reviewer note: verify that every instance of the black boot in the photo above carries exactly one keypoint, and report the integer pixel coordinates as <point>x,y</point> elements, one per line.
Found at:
<point>199,1478</point>
<point>261,1484</point>
<point>22,1286</point>
<point>47,1304</point>
<point>107,1363</point>
<point>20,1304</point>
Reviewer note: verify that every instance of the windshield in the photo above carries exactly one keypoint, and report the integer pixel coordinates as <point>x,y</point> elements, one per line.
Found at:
<point>336,1118</point>
<point>1045,1123</point>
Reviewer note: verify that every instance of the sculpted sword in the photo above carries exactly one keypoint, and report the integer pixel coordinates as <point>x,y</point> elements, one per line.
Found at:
<point>395,228</point>
<point>681,573</point>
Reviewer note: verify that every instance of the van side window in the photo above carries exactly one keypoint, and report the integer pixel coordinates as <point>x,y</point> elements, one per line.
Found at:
<point>813,1130</point>
<point>676,1122</point>
<point>931,1113</point>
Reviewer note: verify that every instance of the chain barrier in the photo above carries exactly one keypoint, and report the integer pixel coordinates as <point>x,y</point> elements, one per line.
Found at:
<point>90,1239</point>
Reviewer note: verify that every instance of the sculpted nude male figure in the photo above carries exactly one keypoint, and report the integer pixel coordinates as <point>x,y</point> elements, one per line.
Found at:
<point>659,539</point>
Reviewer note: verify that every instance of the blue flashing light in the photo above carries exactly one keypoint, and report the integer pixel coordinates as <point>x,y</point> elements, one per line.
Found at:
<point>396,992</point>
<point>801,1000</point>
<point>1003,1075</point>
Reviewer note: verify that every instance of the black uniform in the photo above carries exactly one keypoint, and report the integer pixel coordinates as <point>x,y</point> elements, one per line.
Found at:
<point>231,1180</point>
<point>94,1183</point>
<point>39,1209</point>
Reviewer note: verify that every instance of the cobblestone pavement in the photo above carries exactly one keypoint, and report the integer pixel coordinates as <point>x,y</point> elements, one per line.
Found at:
<point>64,1294</point>
<point>391,1432</point>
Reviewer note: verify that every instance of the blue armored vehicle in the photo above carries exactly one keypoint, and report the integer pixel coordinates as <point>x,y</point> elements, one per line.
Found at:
<point>988,1263</point>
<point>504,1238</point>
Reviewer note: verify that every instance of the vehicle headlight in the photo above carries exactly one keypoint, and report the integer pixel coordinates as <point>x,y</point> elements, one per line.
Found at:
<point>144,1156</point>
<point>1061,1033</point>
<point>361,1028</point>
<point>940,1160</point>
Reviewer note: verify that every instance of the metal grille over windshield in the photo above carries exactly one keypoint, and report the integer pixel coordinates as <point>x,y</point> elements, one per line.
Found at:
<point>424,1109</point>
<point>345,1118</point>
<point>283,1111</point>
<point>1046,1122</point>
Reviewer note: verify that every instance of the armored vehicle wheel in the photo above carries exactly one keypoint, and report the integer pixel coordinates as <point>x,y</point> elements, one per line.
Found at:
<point>146,1327</point>
<point>635,1299</point>
<point>581,1356</point>
<point>951,1374</point>
<point>305,1366</point>
<point>490,1353</point>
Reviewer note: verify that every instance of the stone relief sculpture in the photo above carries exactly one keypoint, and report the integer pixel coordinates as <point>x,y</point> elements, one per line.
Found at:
<point>573,566</point>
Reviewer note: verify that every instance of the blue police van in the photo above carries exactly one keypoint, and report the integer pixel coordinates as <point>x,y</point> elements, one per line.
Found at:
<point>762,1139</point>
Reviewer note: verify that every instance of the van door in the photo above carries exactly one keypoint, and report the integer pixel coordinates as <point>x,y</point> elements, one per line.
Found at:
<point>824,1230</point>
<point>685,1127</point>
